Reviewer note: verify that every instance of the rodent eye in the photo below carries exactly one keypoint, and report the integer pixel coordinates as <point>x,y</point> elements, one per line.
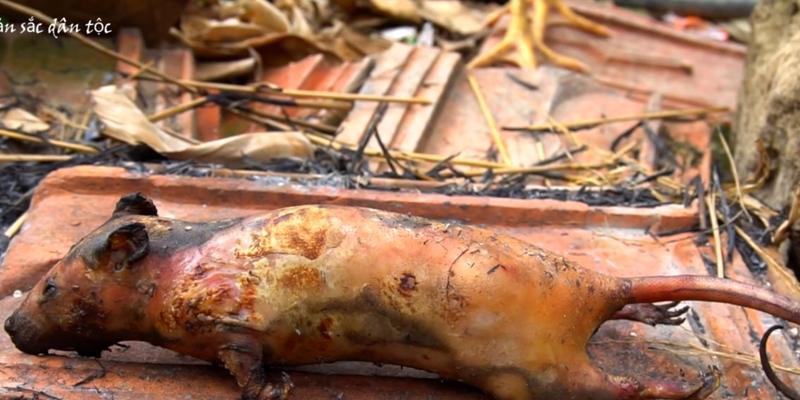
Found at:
<point>50,288</point>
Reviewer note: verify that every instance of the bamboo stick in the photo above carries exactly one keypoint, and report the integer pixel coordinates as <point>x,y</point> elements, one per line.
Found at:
<point>712,207</point>
<point>487,115</point>
<point>58,143</point>
<point>33,157</point>
<point>175,110</point>
<point>229,87</point>
<point>589,123</point>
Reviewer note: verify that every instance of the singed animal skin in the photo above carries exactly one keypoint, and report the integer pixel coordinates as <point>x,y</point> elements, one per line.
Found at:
<point>313,284</point>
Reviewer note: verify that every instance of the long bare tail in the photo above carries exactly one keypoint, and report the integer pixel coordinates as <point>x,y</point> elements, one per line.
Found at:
<point>705,288</point>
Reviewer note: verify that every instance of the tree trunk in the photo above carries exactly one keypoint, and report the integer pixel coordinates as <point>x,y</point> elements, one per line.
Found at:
<point>769,102</point>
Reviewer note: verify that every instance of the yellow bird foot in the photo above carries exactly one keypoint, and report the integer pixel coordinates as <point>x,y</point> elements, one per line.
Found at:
<point>526,34</point>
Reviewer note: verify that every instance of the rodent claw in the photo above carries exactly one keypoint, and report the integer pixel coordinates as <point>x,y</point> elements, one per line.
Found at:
<point>653,314</point>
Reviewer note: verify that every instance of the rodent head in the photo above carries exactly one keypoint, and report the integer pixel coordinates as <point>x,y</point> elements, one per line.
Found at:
<point>91,296</point>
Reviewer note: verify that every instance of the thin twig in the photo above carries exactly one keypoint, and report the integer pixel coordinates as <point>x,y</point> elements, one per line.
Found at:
<point>543,168</point>
<point>794,214</point>
<point>487,115</point>
<point>92,43</point>
<point>700,193</point>
<point>591,123</point>
<point>726,211</point>
<point>58,143</point>
<point>729,154</point>
<point>172,111</point>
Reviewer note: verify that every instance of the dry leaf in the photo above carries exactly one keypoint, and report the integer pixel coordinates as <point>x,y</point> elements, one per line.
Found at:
<point>406,10</point>
<point>282,31</point>
<point>266,15</point>
<point>18,119</point>
<point>125,122</point>
<point>211,31</point>
<point>236,151</point>
<point>454,15</point>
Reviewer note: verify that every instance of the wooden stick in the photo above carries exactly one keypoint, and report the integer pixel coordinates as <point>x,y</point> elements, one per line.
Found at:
<point>58,143</point>
<point>93,44</point>
<point>14,228</point>
<point>33,157</point>
<point>172,111</point>
<point>711,202</point>
<point>590,123</point>
<point>223,87</point>
<point>487,115</point>
<point>301,93</point>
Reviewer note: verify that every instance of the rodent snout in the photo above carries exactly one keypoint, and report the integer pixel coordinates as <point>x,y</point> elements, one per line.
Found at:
<point>25,334</point>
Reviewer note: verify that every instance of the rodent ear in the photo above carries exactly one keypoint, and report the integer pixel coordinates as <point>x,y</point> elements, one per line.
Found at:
<point>134,204</point>
<point>126,245</point>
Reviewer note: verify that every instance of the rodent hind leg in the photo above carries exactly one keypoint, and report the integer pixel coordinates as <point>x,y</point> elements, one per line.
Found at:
<point>653,314</point>
<point>244,360</point>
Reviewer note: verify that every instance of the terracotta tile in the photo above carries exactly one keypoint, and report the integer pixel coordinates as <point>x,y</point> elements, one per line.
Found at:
<point>177,63</point>
<point>407,84</point>
<point>350,80</point>
<point>295,75</point>
<point>418,118</point>
<point>387,67</point>
<point>461,128</point>
<point>209,118</point>
<point>131,45</point>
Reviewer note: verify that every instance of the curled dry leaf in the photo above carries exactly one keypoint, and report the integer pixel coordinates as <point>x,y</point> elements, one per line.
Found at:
<point>18,119</point>
<point>265,14</point>
<point>125,122</point>
<point>217,70</point>
<point>282,31</point>
<point>211,31</point>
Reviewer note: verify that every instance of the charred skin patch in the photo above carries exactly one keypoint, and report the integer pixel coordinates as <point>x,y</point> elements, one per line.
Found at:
<point>367,321</point>
<point>166,237</point>
<point>193,304</point>
<point>324,327</point>
<point>86,316</point>
<point>306,232</point>
<point>301,279</point>
<point>408,283</point>
<point>394,221</point>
